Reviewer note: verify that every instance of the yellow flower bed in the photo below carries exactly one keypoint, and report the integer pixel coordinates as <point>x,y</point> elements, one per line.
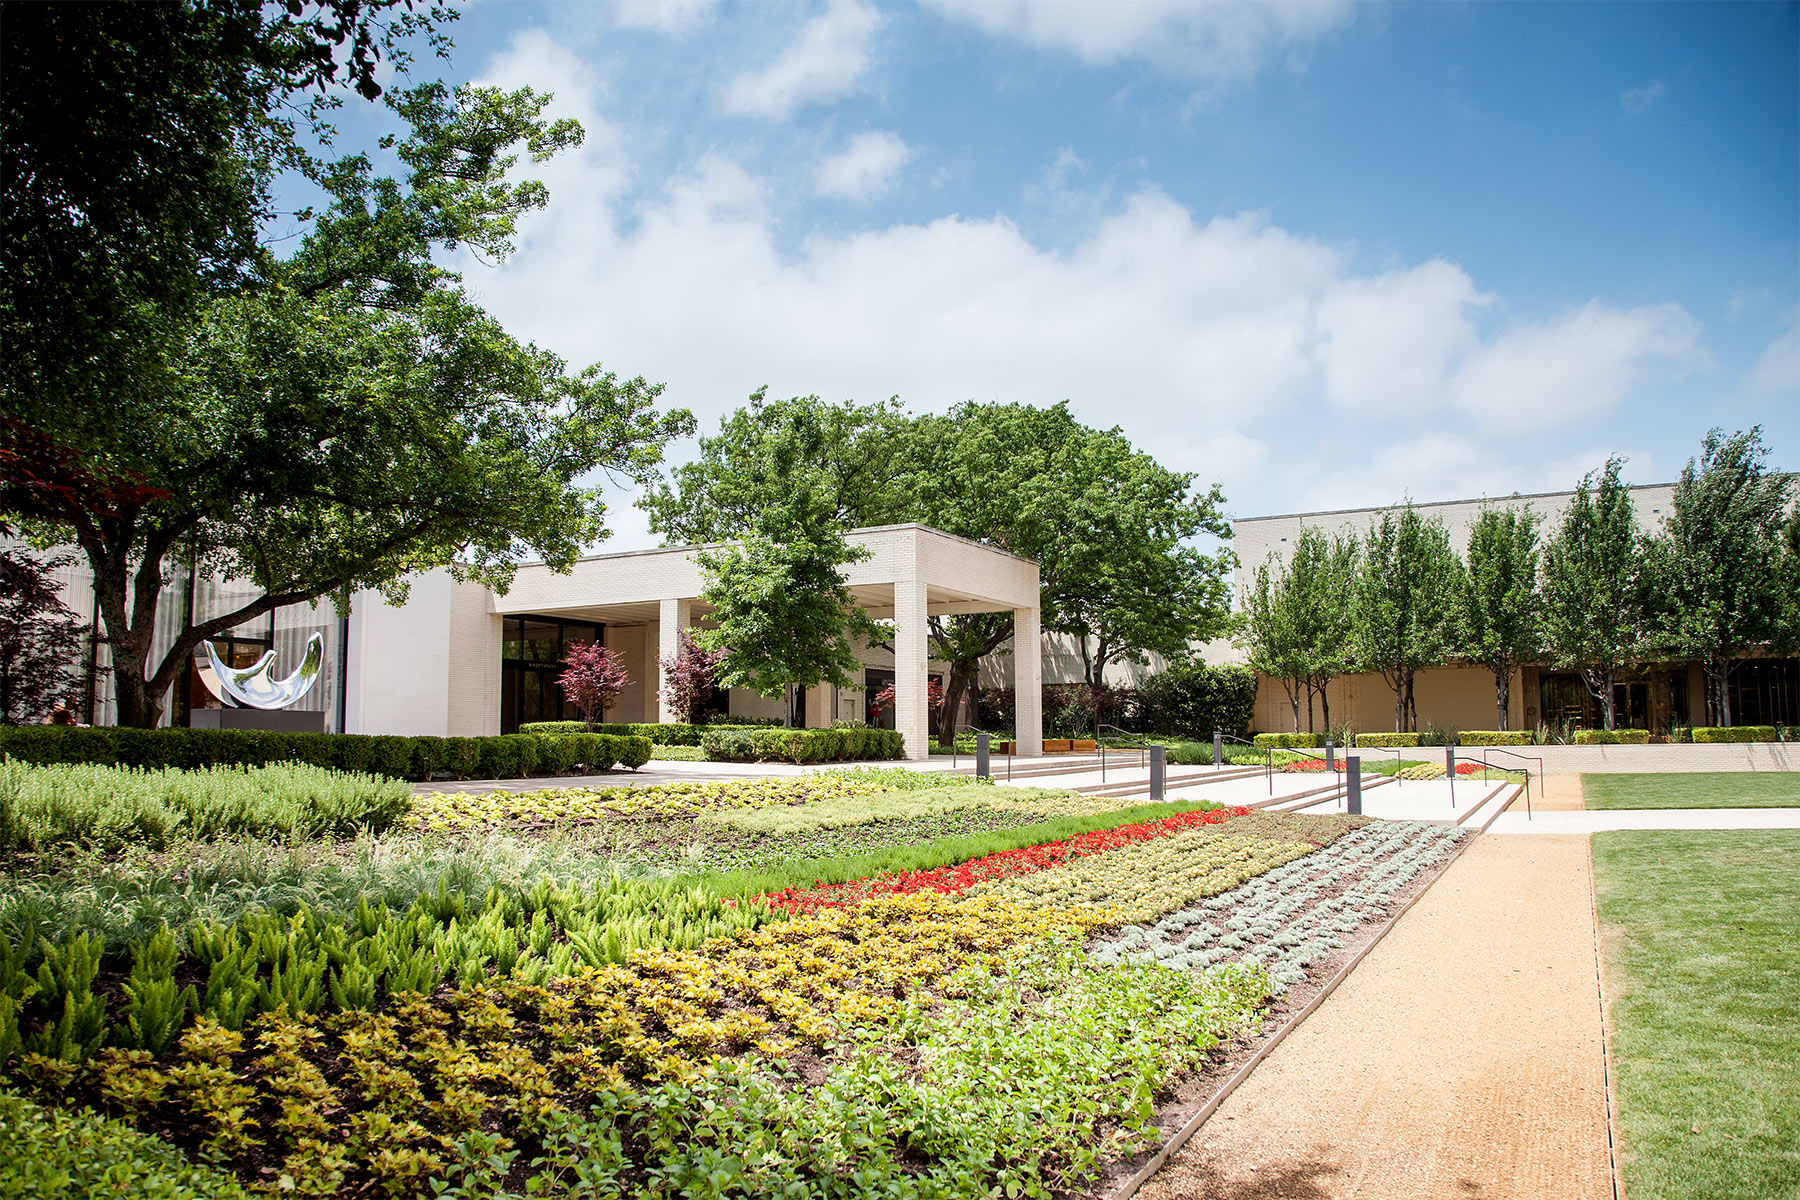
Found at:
<point>463,810</point>
<point>1145,881</point>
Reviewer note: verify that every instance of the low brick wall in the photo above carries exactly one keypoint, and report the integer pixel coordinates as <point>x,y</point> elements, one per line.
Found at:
<point>1624,760</point>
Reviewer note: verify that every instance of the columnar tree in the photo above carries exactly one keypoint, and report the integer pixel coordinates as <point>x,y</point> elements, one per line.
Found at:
<point>1406,582</point>
<point>1497,608</point>
<point>1716,565</point>
<point>347,416</point>
<point>593,679</point>
<point>1273,639</point>
<point>692,675</point>
<point>1593,606</point>
<point>1322,576</point>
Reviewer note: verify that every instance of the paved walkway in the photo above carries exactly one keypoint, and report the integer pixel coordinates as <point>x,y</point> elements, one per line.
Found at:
<point>1462,1058</point>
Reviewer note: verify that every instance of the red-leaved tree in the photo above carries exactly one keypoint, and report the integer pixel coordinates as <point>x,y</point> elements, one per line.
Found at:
<point>593,678</point>
<point>40,638</point>
<point>691,676</point>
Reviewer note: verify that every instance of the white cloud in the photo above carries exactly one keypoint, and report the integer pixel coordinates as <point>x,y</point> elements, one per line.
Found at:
<point>676,17</point>
<point>1777,371</point>
<point>1435,466</point>
<point>1386,344</point>
<point>1576,365</point>
<point>1227,346</point>
<point>826,62</point>
<point>1637,101</point>
<point>865,168</point>
<point>1213,39</point>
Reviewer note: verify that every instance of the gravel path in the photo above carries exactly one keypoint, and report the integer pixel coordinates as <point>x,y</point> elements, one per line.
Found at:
<point>1462,1058</point>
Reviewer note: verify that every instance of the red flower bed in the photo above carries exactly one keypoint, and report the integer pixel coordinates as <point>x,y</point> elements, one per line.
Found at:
<point>1469,768</point>
<point>1004,865</point>
<point>1303,764</point>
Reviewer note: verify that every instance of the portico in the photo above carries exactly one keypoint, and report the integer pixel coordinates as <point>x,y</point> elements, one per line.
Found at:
<point>912,573</point>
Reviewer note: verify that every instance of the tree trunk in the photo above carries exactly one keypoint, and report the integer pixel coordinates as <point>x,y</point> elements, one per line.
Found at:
<point>1325,706</point>
<point>1309,708</point>
<point>1611,702</point>
<point>1399,682</point>
<point>962,672</point>
<point>1718,683</point>
<point>1502,693</point>
<point>1293,685</point>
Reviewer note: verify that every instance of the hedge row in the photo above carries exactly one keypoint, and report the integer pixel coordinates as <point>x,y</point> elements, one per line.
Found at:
<point>1387,739</point>
<point>1494,737</point>
<point>660,735</point>
<point>1736,733</point>
<point>503,757</point>
<point>801,745</point>
<point>1612,737</point>
<point>1290,741</point>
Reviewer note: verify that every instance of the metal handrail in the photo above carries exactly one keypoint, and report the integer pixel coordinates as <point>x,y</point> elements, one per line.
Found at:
<point>1100,745</point>
<point>1269,751</point>
<point>1485,750</point>
<point>1393,750</point>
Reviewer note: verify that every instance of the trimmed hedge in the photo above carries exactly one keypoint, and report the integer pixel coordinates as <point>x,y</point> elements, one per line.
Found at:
<point>801,745</point>
<point>1391,740</point>
<point>1736,733</point>
<point>508,755</point>
<point>1290,741</point>
<point>1612,737</point>
<point>1494,737</point>
<point>659,735</point>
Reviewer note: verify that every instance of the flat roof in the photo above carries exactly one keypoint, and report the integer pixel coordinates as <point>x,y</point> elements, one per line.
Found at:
<point>1345,512</point>
<point>690,547</point>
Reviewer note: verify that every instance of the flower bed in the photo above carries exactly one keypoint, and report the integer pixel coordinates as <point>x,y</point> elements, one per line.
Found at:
<point>1295,914</point>
<point>1005,865</point>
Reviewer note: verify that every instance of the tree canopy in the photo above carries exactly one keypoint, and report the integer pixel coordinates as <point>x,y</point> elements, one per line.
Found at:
<point>1110,528</point>
<point>1593,605</point>
<point>1716,566</point>
<point>1405,588</point>
<point>346,416</point>
<point>1497,620</point>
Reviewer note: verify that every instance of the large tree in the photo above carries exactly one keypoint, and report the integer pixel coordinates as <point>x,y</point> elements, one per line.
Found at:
<point>1718,591</point>
<point>1109,528</point>
<point>1593,602</point>
<point>1112,532</point>
<point>1407,579</point>
<point>1497,621</point>
<point>139,145</point>
<point>1297,619</point>
<point>347,416</point>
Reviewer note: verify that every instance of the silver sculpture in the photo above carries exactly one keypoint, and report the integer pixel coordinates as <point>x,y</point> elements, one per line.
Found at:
<point>252,687</point>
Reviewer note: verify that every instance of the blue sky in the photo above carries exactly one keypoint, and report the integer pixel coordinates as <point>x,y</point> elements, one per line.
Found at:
<point>1328,254</point>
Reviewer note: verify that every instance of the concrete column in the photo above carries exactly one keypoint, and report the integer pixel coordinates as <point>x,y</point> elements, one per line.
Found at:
<point>912,712</point>
<point>1028,681</point>
<point>673,616</point>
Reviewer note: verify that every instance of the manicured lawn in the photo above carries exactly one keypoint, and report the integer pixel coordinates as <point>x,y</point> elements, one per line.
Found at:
<point>1700,931</point>
<point>1714,789</point>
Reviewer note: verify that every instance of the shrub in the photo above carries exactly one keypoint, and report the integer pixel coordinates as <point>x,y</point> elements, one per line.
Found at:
<point>801,745</point>
<point>78,1152</point>
<point>673,734</point>
<point>558,754</point>
<point>1290,741</point>
<point>1494,737</point>
<point>429,756</point>
<point>1191,699</point>
<point>1387,739</point>
<point>106,808</point>
<point>728,745</point>
<point>1613,737</point>
<point>1736,733</point>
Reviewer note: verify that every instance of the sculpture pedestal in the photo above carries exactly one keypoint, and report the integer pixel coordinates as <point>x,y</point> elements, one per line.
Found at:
<point>272,720</point>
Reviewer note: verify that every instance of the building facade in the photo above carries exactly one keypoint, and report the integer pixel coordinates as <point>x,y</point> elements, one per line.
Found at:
<point>456,659</point>
<point>1649,695</point>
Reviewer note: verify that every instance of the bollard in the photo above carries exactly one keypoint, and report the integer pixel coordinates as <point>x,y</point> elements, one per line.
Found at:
<point>1157,759</point>
<point>1353,785</point>
<point>1450,771</point>
<point>1330,763</point>
<point>1218,747</point>
<point>981,756</point>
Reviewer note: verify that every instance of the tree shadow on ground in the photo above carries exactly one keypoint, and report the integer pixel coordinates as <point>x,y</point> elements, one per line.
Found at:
<point>1279,1181</point>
